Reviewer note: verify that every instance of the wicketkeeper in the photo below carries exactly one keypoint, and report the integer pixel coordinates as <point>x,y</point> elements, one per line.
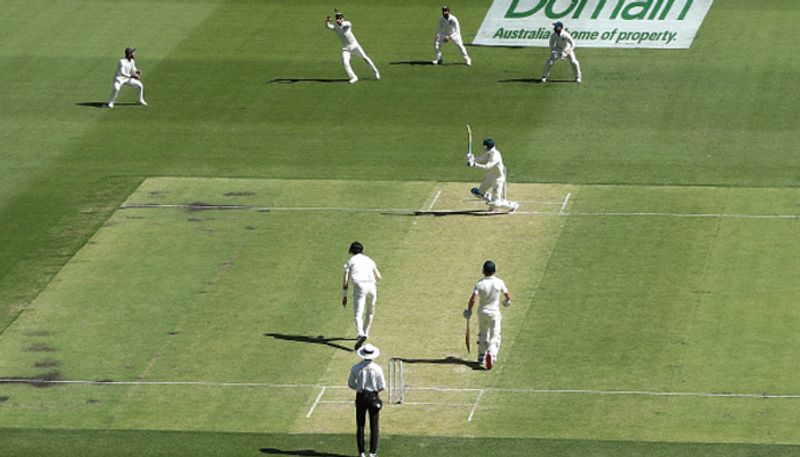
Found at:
<point>487,292</point>
<point>493,186</point>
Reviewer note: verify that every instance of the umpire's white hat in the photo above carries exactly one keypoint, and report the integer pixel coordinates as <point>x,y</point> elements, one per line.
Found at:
<point>369,352</point>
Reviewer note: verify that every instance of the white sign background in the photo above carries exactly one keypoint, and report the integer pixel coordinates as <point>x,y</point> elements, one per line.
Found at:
<point>661,24</point>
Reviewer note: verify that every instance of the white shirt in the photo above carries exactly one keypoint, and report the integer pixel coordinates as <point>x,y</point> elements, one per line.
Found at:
<point>562,42</point>
<point>344,32</point>
<point>448,26</point>
<point>126,68</point>
<point>361,268</point>
<point>492,161</point>
<point>366,375</point>
<point>489,290</point>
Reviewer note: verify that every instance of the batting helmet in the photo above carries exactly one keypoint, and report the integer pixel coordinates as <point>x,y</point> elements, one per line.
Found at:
<point>489,143</point>
<point>489,268</point>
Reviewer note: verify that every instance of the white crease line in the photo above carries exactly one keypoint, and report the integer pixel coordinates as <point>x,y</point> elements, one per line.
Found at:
<point>475,406</point>
<point>316,402</point>
<point>533,202</point>
<point>438,194</point>
<point>566,201</point>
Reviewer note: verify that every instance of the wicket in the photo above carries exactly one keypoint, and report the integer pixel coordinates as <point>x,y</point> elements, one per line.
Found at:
<point>396,381</point>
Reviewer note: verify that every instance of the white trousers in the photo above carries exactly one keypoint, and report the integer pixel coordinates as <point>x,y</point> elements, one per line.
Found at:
<point>359,51</point>
<point>555,55</point>
<point>494,192</point>
<point>119,82</point>
<point>437,45</point>
<point>365,295</point>
<point>488,334</point>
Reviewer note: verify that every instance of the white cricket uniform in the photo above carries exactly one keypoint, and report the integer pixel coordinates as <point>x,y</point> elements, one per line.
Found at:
<point>494,183</point>
<point>489,291</point>
<point>364,274</point>
<point>350,45</point>
<point>449,27</point>
<point>366,375</point>
<point>126,69</point>
<point>562,46</point>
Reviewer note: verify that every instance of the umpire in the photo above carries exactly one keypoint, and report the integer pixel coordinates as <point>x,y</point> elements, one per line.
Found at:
<point>366,378</point>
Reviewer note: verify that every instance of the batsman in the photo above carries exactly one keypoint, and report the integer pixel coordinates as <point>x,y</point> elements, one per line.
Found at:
<point>493,187</point>
<point>487,293</point>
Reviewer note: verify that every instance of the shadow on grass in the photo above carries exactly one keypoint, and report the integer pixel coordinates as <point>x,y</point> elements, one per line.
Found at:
<point>441,213</point>
<point>445,361</point>
<point>104,104</point>
<point>425,62</point>
<point>321,339</point>
<point>536,81</point>
<point>299,452</point>
<point>306,80</point>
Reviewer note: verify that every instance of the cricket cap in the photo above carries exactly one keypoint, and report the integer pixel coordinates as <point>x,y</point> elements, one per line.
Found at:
<point>369,352</point>
<point>489,268</point>
<point>339,15</point>
<point>489,143</point>
<point>129,50</point>
<point>558,25</point>
<point>445,8</point>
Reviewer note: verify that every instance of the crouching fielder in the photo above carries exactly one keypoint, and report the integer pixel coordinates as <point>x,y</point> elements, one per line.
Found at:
<point>493,187</point>
<point>487,292</point>
<point>448,29</point>
<point>344,30</point>
<point>127,75</point>
<point>562,46</point>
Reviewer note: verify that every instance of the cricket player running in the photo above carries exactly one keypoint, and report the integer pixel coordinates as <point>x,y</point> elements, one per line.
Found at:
<point>487,292</point>
<point>493,186</point>
<point>127,74</point>
<point>448,29</point>
<point>561,46</point>
<point>344,30</point>
<point>365,276</point>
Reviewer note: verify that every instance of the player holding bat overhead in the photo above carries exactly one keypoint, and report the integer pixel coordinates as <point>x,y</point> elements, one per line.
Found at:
<point>493,187</point>
<point>487,293</point>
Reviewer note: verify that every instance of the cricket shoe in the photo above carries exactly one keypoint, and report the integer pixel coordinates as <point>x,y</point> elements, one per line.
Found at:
<point>142,102</point>
<point>468,61</point>
<point>578,80</point>
<point>438,62</point>
<point>378,75</point>
<point>353,80</point>
<point>488,360</point>
<point>544,80</point>
<point>514,207</point>
<point>360,342</point>
<point>111,105</point>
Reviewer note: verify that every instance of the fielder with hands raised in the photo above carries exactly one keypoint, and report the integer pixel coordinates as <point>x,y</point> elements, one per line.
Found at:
<point>364,273</point>
<point>487,293</point>
<point>344,30</point>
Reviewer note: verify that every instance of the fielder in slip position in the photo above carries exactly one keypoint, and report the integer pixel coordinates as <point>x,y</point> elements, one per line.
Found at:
<point>365,276</point>
<point>487,293</point>
<point>562,46</point>
<point>493,186</point>
<point>448,29</point>
<point>344,30</point>
<point>128,75</point>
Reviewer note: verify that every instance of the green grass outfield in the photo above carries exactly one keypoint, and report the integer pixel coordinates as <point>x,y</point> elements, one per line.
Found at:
<point>639,285</point>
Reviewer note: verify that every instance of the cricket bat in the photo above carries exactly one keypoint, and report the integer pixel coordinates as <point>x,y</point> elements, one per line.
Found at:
<point>469,145</point>
<point>466,337</point>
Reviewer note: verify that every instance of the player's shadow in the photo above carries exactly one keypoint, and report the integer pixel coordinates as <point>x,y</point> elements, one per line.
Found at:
<point>306,80</point>
<point>103,104</point>
<point>450,360</point>
<point>414,63</point>
<point>321,339</point>
<point>299,452</point>
<point>443,213</point>
<point>535,81</point>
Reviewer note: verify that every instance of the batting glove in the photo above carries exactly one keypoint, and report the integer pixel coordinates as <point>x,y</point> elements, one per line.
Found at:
<point>467,313</point>
<point>506,303</point>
